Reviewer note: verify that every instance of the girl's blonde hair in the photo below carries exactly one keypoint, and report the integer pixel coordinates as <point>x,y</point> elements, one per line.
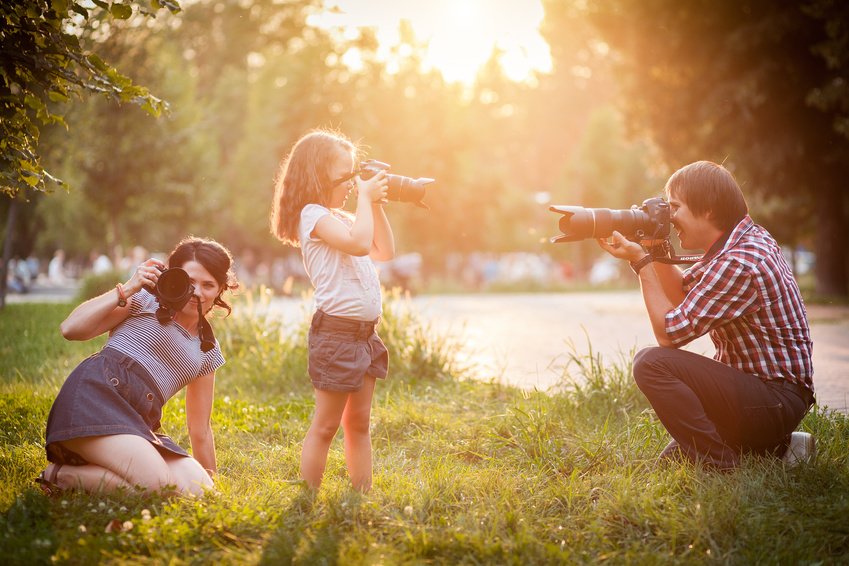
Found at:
<point>304,178</point>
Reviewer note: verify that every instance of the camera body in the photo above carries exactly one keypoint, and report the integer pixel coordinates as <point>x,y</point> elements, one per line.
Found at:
<point>401,189</point>
<point>649,222</point>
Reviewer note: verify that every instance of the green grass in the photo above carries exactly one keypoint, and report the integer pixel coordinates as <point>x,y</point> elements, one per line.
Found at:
<point>466,472</point>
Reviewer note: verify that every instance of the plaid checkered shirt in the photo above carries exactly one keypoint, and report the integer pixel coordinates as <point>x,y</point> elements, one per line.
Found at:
<point>745,296</point>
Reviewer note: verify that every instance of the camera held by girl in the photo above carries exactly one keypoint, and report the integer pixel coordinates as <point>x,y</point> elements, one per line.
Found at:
<point>346,356</point>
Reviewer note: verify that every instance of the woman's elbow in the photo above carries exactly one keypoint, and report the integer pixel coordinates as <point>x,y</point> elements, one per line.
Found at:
<point>69,331</point>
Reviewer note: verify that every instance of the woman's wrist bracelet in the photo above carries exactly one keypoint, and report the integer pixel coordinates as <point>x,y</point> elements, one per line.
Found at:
<point>122,299</point>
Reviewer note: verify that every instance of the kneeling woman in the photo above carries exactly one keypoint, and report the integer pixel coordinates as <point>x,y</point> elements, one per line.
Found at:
<point>101,431</point>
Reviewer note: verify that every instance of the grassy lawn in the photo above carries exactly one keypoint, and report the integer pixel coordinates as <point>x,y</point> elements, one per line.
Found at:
<point>466,472</point>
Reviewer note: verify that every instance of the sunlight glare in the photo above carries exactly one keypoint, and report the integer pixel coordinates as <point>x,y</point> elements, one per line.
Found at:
<point>460,34</point>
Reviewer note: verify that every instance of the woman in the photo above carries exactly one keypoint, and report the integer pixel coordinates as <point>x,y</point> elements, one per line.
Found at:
<point>101,431</point>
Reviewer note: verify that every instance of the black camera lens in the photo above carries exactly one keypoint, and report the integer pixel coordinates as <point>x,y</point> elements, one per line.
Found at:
<point>405,189</point>
<point>174,288</point>
<point>400,189</point>
<point>578,223</point>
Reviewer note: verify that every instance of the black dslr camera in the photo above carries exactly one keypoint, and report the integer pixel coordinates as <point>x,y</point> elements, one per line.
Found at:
<point>401,189</point>
<point>173,291</point>
<point>649,222</point>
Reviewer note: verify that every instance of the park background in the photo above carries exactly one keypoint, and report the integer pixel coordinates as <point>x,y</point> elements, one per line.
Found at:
<point>509,106</point>
<point>468,468</point>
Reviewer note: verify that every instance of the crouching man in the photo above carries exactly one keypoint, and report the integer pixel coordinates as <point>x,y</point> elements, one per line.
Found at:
<point>755,392</point>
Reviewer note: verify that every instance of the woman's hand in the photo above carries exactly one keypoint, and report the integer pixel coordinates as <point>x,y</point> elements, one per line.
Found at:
<point>145,275</point>
<point>373,190</point>
<point>102,314</point>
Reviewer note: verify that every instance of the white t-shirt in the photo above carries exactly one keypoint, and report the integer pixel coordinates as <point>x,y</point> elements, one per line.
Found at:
<point>345,285</point>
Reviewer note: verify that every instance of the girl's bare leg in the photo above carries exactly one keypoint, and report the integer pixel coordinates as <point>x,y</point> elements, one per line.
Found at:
<point>356,422</point>
<point>329,406</point>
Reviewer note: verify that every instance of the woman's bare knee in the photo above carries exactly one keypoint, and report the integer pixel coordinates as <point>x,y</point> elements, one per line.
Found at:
<point>129,457</point>
<point>190,476</point>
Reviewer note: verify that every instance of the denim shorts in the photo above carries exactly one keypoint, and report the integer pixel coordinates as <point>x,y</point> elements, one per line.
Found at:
<point>343,351</point>
<point>108,393</point>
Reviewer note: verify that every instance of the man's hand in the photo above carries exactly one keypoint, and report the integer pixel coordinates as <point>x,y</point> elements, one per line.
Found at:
<point>622,248</point>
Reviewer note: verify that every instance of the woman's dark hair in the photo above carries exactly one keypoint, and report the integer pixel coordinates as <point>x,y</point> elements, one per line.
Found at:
<point>304,178</point>
<point>214,257</point>
<point>707,187</point>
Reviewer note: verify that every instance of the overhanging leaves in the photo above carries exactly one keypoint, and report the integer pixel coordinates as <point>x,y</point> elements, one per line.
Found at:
<point>42,64</point>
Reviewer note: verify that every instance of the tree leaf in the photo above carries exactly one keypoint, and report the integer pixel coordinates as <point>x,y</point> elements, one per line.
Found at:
<point>80,10</point>
<point>121,12</point>
<point>95,60</point>
<point>57,96</point>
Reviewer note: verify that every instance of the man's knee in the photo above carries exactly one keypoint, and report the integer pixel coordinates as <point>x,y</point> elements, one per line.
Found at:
<point>644,364</point>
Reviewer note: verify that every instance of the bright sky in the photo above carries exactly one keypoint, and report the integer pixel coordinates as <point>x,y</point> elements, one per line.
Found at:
<point>460,33</point>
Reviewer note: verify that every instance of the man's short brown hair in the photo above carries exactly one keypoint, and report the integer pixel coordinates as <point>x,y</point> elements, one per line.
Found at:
<point>709,188</point>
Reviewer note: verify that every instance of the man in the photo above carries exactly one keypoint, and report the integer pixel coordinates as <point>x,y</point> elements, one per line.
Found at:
<point>756,390</point>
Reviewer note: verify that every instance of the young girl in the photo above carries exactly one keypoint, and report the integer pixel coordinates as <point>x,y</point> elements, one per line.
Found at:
<point>346,355</point>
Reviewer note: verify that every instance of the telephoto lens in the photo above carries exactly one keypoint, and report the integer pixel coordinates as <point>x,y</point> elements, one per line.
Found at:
<point>650,221</point>
<point>401,189</point>
<point>405,189</point>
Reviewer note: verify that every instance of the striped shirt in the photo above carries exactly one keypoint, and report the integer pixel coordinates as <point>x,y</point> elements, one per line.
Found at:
<point>169,353</point>
<point>745,296</point>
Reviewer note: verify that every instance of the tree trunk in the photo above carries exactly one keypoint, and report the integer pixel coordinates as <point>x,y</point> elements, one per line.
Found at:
<point>7,250</point>
<point>831,268</point>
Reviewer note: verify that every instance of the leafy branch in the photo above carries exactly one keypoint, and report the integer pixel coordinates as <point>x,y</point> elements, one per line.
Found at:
<point>42,64</point>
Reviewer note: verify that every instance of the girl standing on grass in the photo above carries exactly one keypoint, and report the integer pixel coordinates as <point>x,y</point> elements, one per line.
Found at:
<point>346,356</point>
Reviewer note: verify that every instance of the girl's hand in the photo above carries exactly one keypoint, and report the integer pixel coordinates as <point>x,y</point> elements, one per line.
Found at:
<point>374,189</point>
<point>146,275</point>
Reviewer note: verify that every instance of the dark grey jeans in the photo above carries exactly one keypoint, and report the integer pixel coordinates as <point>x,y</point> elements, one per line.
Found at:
<point>716,412</point>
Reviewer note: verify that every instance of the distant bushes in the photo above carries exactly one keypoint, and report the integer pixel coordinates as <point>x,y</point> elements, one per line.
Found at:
<point>95,285</point>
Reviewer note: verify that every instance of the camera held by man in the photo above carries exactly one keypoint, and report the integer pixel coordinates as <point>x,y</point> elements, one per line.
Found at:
<point>649,222</point>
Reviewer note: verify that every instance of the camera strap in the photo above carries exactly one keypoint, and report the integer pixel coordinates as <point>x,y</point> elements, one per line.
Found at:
<point>678,259</point>
<point>207,337</point>
<point>665,253</point>
<point>165,314</point>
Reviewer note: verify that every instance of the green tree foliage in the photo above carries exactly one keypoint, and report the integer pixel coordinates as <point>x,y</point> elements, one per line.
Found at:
<point>246,80</point>
<point>42,61</point>
<point>759,85</point>
<point>149,182</point>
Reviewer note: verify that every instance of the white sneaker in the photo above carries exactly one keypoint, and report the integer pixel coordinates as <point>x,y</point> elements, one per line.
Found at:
<point>802,448</point>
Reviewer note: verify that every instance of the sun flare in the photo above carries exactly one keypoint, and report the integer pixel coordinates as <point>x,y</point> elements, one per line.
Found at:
<point>460,34</point>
